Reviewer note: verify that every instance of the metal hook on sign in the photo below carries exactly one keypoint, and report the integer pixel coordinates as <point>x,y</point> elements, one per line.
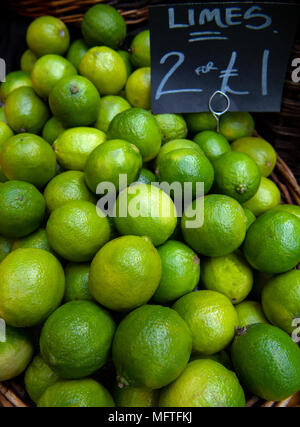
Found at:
<point>218,114</point>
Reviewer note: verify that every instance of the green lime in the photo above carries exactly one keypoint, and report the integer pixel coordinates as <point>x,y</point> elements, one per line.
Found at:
<point>28,157</point>
<point>236,175</point>
<point>48,34</point>
<point>204,383</point>
<point>126,58</point>
<point>221,357</point>
<point>259,150</point>
<point>105,68</point>
<point>76,52</point>
<point>5,247</point>
<point>136,397</point>
<point>230,275</point>
<point>180,271</point>
<point>22,209</point>
<point>138,88</point>
<point>267,361</point>
<point>172,126</point>
<point>125,273</point>
<point>197,122</point>
<point>139,127</point>
<point>234,125</point>
<point>77,282</point>
<point>140,49</point>
<point>77,230</point>
<point>5,133</point>
<point>73,147</point>
<point>38,377</point>
<point>75,101</point>
<point>36,240</point>
<point>146,176</point>
<point>52,129</point>
<point>212,143</point>
<point>250,312</point>
<point>176,144</point>
<point>281,300</point>
<point>250,217</point>
<point>211,318</point>
<point>103,25</point>
<point>49,70</point>
<point>151,347</point>
<point>110,106</point>
<point>110,160</point>
<point>85,393</point>
<point>146,210</point>
<point>13,81</point>
<point>292,209</point>
<point>65,187</point>
<point>186,165</point>
<point>267,197</point>
<point>214,225</point>
<point>70,341</point>
<point>272,243</point>
<point>28,60</point>
<point>26,297</point>
<point>2,115</point>
<point>16,351</point>
<point>25,111</point>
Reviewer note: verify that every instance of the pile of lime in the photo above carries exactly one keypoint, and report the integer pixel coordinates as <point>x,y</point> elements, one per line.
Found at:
<point>167,308</point>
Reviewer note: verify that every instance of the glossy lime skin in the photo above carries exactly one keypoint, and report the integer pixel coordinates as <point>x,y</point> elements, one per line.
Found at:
<point>140,50</point>
<point>77,282</point>
<point>236,124</point>
<point>110,106</point>
<point>13,81</point>
<point>76,52</point>
<point>250,312</point>
<point>212,143</point>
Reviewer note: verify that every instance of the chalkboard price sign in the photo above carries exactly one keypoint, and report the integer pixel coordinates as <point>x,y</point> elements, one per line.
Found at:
<point>241,49</point>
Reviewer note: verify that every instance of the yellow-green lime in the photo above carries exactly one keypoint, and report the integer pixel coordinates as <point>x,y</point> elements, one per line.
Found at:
<point>250,217</point>
<point>200,121</point>
<point>103,25</point>
<point>125,273</point>
<point>136,397</point>
<point>211,318</point>
<point>267,197</point>
<point>138,88</point>
<point>281,300</point>
<point>13,81</point>
<point>5,247</point>
<point>76,52</point>
<point>292,209</point>
<point>126,58</point>
<point>49,70</point>
<point>230,275</point>
<point>249,313</point>
<point>38,377</point>
<point>77,282</point>
<point>266,361</point>
<point>234,125</point>
<point>146,176</point>
<point>221,357</point>
<point>46,35</point>
<point>75,101</point>
<point>73,147</point>
<point>16,351</point>
<point>77,230</point>
<point>272,244</point>
<point>28,60</point>
<point>214,225</point>
<point>85,393</point>
<point>66,187</point>
<point>145,210</point>
<point>204,383</point>
<point>151,347</point>
<point>5,133</point>
<point>2,115</point>
<point>140,49</point>
<point>52,129</point>
<point>25,111</point>
<point>172,126</point>
<point>212,143</point>
<point>110,106</point>
<point>70,341</point>
<point>28,157</point>
<point>259,150</point>
<point>176,144</point>
<point>26,299</point>
<point>110,160</point>
<point>36,240</point>
<point>105,68</point>
<point>180,271</point>
<point>139,127</point>
<point>236,175</point>
<point>22,209</point>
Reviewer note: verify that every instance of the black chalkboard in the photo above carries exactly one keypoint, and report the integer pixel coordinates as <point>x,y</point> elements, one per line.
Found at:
<point>240,48</point>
